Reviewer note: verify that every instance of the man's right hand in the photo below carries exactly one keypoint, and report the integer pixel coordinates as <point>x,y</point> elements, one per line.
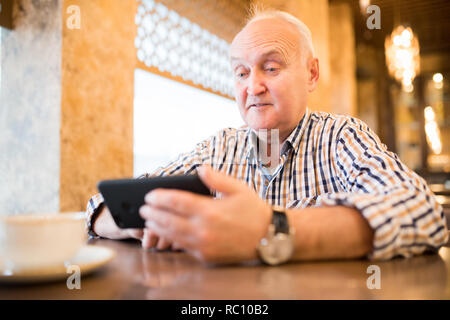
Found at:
<point>105,227</point>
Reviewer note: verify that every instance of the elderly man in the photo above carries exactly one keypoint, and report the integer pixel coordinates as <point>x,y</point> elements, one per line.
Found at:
<point>330,190</point>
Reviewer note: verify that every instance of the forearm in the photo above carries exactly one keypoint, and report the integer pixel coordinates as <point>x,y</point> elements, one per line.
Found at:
<point>105,226</point>
<point>330,233</point>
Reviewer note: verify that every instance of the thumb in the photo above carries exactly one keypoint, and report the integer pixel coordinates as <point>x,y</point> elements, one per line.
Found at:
<point>218,181</point>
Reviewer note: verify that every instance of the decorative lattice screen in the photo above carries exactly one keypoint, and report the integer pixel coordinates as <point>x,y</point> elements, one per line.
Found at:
<point>173,43</point>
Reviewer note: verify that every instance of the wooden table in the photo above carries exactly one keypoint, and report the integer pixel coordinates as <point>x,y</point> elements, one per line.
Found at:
<point>139,274</point>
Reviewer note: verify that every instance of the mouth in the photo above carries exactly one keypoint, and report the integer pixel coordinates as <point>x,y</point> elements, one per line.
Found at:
<point>259,105</point>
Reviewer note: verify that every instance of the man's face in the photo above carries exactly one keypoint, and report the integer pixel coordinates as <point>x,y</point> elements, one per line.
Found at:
<point>272,79</point>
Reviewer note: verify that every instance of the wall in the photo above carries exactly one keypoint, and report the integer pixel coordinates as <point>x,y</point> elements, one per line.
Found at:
<point>98,62</point>
<point>30,109</point>
<point>342,60</point>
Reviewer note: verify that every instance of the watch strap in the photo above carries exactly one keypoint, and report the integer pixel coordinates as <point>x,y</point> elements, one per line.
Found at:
<point>280,221</point>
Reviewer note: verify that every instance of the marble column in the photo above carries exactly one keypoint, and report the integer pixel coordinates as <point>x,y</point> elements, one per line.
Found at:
<point>30,96</point>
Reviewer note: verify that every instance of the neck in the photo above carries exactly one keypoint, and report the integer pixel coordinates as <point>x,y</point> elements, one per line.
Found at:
<point>278,137</point>
<point>269,139</point>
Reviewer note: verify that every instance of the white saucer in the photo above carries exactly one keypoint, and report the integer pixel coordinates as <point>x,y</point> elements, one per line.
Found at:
<point>89,258</point>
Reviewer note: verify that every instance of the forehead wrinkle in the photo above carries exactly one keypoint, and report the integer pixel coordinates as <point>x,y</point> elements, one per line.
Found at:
<point>267,47</point>
<point>283,42</point>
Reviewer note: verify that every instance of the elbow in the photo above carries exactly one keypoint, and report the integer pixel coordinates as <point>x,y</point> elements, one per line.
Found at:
<point>412,233</point>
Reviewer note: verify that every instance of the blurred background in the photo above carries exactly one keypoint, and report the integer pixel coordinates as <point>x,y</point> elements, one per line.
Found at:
<point>98,89</point>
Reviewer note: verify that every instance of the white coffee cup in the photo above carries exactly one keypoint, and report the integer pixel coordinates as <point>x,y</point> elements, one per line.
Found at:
<point>40,240</point>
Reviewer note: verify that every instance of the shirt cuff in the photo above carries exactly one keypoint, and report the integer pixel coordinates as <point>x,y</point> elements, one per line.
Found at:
<point>94,207</point>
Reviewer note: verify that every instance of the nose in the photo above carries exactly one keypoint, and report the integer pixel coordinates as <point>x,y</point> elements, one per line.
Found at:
<point>255,85</point>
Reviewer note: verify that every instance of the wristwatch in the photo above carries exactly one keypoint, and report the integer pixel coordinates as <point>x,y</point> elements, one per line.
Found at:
<point>278,245</point>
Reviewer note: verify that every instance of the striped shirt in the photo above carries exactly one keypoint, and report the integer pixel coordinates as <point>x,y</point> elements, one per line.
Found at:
<point>329,160</point>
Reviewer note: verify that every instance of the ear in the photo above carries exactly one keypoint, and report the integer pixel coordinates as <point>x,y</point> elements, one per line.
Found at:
<point>313,73</point>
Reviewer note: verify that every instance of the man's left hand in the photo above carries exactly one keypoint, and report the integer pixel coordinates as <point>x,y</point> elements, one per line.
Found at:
<point>225,230</point>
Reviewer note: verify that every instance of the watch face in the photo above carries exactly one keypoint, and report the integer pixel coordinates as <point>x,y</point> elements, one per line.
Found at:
<point>277,250</point>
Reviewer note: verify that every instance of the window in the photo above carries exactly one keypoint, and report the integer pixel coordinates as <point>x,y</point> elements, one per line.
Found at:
<point>0,61</point>
<point>173,44</point>
<point>181,85</point>
<point>171,118</point>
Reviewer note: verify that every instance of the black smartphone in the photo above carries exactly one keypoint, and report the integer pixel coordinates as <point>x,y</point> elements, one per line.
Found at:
<point>124,197</point>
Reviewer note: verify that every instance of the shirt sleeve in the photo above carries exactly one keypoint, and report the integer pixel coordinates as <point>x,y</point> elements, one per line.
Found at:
<point>183,164</point>
<point>397,203</point>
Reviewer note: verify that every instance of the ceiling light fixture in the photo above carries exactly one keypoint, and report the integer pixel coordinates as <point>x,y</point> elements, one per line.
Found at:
<point>403,56</point>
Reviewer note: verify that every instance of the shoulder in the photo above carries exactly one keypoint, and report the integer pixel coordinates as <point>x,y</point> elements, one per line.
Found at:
<point>338,123</point>
<point>225,137</point>
<point>232,132</point>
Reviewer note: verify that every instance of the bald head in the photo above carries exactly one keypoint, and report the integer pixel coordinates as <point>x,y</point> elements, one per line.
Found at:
<point>273,73</point>
<point>268,35</point>
<point>282,25</point>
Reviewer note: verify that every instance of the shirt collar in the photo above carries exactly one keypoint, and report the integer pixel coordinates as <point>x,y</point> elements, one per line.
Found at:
<point>291,142</point>
<point>296,135</point>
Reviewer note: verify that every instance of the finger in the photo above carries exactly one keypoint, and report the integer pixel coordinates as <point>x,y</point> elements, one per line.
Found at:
<point>163,244</point>
<point>176,246</point>
<point>180,202</point>
<point>218,181</point>
<point>145,240</point>
<point>184,240</point>
<point>168,225</point>
<point>171,223</point>
<point>153,239</point>
<point>149,240</point>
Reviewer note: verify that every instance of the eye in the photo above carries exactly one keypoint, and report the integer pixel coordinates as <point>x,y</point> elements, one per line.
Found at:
<point>271,68</point>
<point>241,74</point>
